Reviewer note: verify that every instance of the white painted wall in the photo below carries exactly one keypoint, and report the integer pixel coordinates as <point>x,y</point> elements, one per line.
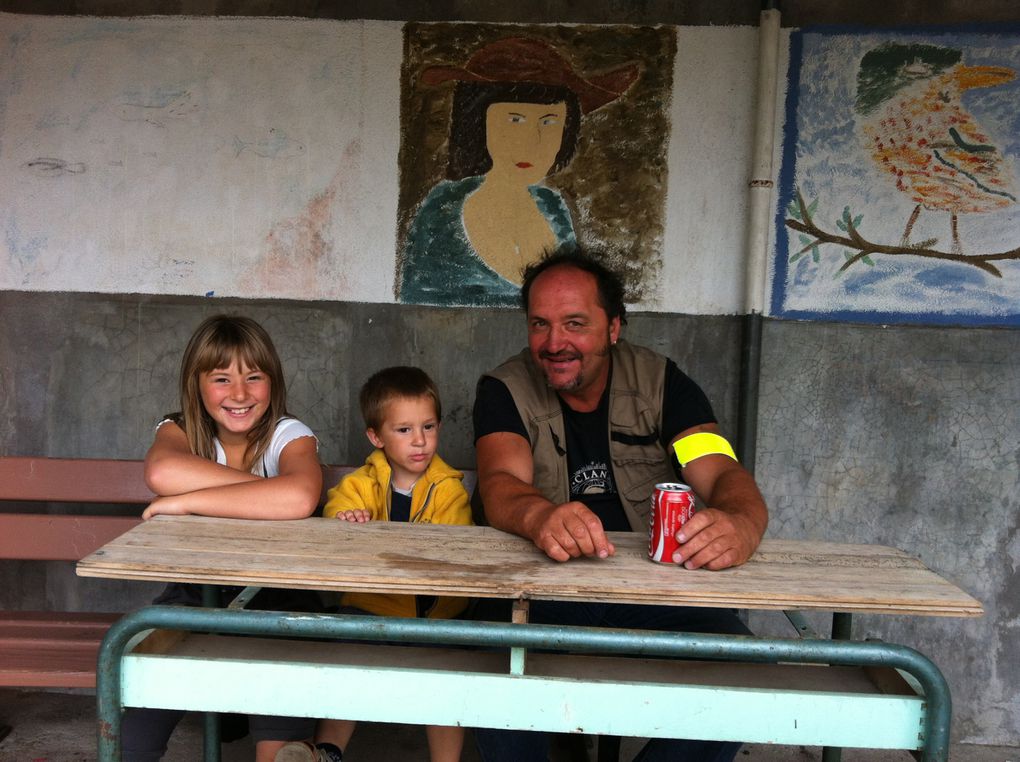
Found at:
<point>709,168</point>
<point>258,158</point>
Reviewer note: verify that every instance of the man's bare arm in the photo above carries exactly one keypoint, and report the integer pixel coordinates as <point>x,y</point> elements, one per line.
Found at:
<point>505,474</point>
<point>728,530</point>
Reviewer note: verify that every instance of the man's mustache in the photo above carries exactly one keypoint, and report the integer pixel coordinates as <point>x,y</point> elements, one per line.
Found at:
<point>559,356</point>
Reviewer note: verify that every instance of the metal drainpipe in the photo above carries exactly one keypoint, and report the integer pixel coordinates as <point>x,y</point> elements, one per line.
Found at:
<point>759,216</point>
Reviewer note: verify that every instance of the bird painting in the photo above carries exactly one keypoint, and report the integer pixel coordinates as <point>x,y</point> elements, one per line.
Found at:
<point>917,130</point>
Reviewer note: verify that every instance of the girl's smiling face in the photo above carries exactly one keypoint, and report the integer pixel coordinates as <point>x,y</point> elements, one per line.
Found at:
<point>236,398</point>
<point>523,139</point>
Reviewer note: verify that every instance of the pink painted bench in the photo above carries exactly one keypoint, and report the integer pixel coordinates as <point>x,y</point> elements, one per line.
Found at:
<point>57,649</point>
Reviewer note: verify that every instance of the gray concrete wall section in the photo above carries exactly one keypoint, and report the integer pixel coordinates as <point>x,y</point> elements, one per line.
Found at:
<point>89,375</point>
<point>909,437</point>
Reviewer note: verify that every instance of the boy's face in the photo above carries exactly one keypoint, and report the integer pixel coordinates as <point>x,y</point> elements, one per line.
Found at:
<point>409,435</point>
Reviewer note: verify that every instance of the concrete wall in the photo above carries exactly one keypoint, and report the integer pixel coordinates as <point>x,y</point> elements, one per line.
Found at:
<point>909,437</point>
<point>227,156</point>
<point>902,435</point>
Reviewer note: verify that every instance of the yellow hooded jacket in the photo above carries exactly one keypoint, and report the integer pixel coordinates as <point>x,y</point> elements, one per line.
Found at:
<point>438,497</point>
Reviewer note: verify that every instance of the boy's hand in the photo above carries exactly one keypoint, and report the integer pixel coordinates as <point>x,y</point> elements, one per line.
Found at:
<point>358,515</point>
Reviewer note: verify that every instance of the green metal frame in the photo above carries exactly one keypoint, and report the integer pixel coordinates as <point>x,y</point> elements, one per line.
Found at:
<point>842,629</point>
<point>933,737</point>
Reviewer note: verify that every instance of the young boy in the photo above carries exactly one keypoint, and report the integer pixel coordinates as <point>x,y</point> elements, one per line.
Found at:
<point>402,480</point>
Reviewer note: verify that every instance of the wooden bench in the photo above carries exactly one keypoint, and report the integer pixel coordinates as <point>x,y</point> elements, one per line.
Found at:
<point>51,649</point>
<point>57,649</point>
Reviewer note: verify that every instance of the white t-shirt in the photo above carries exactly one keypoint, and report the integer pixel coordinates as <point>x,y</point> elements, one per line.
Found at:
<point>286,431</point>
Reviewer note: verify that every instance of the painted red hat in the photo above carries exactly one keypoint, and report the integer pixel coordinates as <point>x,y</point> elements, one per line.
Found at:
<point>518,59</point>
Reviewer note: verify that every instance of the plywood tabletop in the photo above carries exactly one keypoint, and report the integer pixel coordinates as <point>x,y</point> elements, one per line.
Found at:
<point>326,554</point>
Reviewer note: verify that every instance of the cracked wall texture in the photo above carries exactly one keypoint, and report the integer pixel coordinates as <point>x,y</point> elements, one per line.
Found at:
<point>908,437</point>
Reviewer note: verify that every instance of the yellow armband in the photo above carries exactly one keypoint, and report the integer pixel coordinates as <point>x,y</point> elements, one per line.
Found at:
<point>694,446</point>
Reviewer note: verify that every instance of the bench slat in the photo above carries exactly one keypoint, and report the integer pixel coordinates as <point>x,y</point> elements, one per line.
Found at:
<point>94,480</point>
<point>56,625</point>
<point>58,537</point>
<point>79,480</point>
<point>43,666</point>
<point>46,649</point>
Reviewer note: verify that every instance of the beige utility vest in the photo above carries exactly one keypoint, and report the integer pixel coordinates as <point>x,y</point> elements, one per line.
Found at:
<point>635,423</point>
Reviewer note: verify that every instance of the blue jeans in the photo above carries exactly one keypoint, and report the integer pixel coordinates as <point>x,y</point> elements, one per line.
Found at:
<point>524,746</point>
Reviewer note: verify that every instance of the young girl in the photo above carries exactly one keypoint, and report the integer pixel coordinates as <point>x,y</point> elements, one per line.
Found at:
<point>231,451</point>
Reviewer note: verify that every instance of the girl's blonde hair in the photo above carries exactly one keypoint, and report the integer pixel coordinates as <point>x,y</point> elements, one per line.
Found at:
<point>217,343</point>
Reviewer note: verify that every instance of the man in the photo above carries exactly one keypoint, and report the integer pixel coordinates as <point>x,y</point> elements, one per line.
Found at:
<point>572,435</point>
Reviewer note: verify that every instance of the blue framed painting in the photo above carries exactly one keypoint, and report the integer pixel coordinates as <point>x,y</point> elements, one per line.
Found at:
<point>900,178</point>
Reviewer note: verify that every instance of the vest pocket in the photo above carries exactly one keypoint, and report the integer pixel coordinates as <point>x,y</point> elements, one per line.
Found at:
<point>637,477</point>
<point>634,440</point>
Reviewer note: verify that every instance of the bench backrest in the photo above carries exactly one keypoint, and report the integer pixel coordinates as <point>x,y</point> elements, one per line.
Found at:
<point>64,480</point>
<point>93,480</point>
<point>67,537</point>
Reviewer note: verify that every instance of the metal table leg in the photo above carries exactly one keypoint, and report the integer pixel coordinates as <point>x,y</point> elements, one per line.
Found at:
<point>842,626</point>
<point>211,720</point>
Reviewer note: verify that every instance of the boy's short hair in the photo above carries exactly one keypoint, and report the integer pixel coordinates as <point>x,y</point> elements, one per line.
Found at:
<point>400,381</point>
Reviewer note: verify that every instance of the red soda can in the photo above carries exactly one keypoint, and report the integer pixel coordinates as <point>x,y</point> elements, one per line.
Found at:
<point>672,506</point>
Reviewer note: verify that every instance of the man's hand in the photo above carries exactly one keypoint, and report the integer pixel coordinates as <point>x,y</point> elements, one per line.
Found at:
<point>714,539</point>
<point>505,471</point>
<point>727,532</point>
<point>570,531</point>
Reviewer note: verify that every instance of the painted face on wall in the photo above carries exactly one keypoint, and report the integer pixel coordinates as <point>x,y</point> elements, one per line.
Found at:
<point>524,138</point>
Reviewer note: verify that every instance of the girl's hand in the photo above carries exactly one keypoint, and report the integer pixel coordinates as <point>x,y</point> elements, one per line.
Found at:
<point>166,506</point>
<point>357,515</point>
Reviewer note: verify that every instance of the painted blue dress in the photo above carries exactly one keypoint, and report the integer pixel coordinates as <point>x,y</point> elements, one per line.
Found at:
<point>440,266</point>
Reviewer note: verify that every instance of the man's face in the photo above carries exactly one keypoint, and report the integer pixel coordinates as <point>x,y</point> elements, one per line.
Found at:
<point>569,334</point>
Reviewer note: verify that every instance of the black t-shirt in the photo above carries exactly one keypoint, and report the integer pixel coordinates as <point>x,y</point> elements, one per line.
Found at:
<point>589,464</point>
<point>400,506</point>
<point>587,447</point>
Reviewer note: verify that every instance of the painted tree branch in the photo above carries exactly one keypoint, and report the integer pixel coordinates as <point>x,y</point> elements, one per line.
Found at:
<point>864,248</point>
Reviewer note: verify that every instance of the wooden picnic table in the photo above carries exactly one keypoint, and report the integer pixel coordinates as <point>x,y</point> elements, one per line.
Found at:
<point>331,555</point>
<point>326,554</point>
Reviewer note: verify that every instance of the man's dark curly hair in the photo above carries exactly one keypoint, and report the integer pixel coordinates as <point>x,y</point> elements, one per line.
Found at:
<point>609,283</point>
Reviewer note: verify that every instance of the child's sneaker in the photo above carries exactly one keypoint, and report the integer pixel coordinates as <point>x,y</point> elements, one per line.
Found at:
<point>302,751</point>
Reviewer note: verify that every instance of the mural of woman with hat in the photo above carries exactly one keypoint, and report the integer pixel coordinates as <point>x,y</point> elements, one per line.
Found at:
<point>517,109</point>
